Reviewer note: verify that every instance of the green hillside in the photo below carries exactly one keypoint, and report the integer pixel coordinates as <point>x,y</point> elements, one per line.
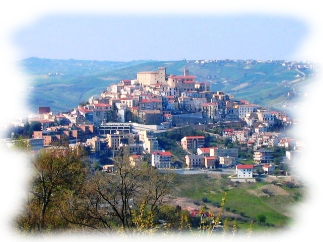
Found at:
<point>300,207</point>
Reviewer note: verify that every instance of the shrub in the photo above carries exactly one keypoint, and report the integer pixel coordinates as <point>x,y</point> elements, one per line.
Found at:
<point>197,203</point>
<point>205,200</point>
<point>261,218</point>
<point>216,204</point>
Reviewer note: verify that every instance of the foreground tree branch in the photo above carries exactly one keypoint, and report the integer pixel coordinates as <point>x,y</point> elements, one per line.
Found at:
<point>117,207</point>
<point>54,172</point>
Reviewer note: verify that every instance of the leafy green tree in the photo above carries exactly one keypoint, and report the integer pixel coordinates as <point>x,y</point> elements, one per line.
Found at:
<point>33,126</point>
<point>55,173</point>
<point>261,218</point>
<point>129,116</point>
<point>112,116</point>
<point>173,217</point>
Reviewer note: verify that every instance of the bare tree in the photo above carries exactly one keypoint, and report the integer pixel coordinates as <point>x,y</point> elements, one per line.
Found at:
<point>112,201</point>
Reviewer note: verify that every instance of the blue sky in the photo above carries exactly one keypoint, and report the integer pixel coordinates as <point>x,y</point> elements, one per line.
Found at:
<point>161,30</point>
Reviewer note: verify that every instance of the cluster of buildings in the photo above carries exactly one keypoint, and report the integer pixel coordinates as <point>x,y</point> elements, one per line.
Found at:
<point>128,114</point>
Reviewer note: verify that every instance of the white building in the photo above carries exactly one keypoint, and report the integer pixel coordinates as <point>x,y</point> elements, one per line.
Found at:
<point>244,171</point>
<point>268,168</point>
<point>266,117</point>
<point>161,159</point>
<point>246,109</point>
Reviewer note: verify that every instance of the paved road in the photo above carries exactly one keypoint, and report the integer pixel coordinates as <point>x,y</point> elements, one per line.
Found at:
<point>191,172</point>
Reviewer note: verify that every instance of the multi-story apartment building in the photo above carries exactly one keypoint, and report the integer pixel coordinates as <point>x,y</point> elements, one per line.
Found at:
<point>183,83</point>
<point>115,140</point>
<point>244,109</point>
<point>244,171</point>
<point>192,142</point>
<point>194,161</point>
<point>210,111</point>
<point>150,104</point>
<point>263,156</point>
<point>266,117</point>
<point>161,159</point>
<point>224,152</point>
<point>112,128</point>
<point>202,86</point>
<point>150,143</point>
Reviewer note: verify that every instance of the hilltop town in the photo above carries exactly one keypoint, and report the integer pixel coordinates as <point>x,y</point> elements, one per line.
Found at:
<point>133,114</point>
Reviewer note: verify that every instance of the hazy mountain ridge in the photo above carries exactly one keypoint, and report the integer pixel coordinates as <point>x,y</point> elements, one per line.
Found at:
<point>41,66</point>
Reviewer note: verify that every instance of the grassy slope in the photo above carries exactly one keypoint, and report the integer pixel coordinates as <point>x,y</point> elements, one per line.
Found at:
<point>240,199</point>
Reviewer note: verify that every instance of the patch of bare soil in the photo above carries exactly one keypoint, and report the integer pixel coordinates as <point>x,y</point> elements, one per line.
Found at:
<point>188,204</point>
<point>270,179</point>
<point>185,203</point>
<point>214,175</point>
<point>276,190</point>
<point>269,189</point>
<point>288,215</point>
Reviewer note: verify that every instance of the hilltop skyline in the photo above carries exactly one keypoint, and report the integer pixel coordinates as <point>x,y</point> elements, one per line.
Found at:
<point>127,31</point>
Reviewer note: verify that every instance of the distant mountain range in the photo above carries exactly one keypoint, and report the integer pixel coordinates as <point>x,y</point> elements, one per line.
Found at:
<point>63,84</point>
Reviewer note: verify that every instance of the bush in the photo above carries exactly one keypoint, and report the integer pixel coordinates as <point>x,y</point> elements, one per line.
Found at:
<point>261,218</point>
<point>216,204</point>
<point>205,200</point>
<point>196,203</point>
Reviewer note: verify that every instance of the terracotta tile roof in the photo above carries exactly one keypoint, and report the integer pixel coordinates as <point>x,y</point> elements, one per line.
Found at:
<point>210,158</point>
<point>205,150</point>
<point>150,100</point>
<point>208,104</point>
<point>245,166</point>
<point>135,156</point>
<point>83,110</point>
<point>195,137</point>
<point>101,105</point>
<point>183,77</point>
<point>45,121</point>
<point>162,153</point>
